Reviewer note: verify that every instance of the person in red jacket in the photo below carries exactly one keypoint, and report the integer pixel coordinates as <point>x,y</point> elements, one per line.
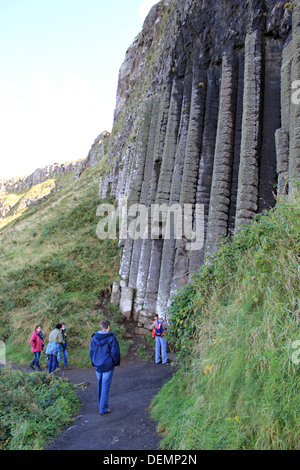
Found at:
<point>36,342</point>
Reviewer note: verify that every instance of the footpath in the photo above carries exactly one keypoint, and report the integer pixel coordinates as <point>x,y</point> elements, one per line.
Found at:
<point>128,426</point>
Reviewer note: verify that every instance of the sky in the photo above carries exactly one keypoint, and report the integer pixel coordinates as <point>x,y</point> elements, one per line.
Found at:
<point>59,65</point>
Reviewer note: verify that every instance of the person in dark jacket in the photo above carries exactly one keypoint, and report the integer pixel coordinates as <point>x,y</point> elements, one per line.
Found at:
<point>105,355</point>
<point>64,349</point>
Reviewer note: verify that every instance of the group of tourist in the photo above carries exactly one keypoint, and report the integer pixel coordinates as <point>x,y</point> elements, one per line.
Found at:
<point>57,347</point>
<point>104,353</point>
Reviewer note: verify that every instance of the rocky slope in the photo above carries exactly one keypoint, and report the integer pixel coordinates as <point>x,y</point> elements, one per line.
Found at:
<point>204,115</point>
<point>16,194</point>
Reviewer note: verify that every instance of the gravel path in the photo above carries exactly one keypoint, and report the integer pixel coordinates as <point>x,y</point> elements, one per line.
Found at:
<point>128,426</point>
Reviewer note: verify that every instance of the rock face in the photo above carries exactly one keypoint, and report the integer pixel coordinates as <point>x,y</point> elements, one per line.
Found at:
<point>38,176</point>
<point>205,117</point>
<point>95,154</point>
<point>23,185</point>
<point>41,175</point>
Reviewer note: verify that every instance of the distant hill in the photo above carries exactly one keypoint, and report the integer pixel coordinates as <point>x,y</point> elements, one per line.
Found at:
<point>54,267</point>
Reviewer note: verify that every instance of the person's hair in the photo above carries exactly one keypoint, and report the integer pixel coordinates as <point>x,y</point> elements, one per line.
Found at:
<point>105,324</point>
<point>58,326</point>
<point>62,323</point>
<point>37,327</point>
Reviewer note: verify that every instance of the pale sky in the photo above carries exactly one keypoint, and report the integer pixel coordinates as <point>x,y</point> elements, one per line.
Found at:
<point>59,65</point>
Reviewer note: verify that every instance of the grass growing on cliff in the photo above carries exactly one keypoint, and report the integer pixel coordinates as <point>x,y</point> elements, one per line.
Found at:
<point>236,329</point>
<point>54,268</point>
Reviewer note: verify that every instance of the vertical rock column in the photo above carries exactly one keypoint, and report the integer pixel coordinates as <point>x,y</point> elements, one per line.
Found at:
<point>168,254</point>
<point>144,195</point>
<point>136,179</point>
<point>124,171</point>
<point>237,140</point>
<point>163,105</point>
<point>247,197</point>
<point>190,171</point>
<point>222,171</point>
<point>207,157</point>
<point>271,119</point>
<point>163,191</point>
<point>282,134</point>
<point>282,165</point>
<point>294,160</point>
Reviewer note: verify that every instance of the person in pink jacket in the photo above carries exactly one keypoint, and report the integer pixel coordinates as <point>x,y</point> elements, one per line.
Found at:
<point>36,342</point>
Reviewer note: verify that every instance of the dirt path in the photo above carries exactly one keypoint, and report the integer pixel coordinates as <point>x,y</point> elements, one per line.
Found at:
<point>128,426</point>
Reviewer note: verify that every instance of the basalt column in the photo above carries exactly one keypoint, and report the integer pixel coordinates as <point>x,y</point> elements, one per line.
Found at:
<point>168,254</point>
<point>271,119</point>
<point>163,192</point>
<point>294,160</point>
<point>222,171</point>
<point>247,197</point>
<point>133,197</point>
<point>282,134</point>
<point>196,258</point>
<point>144,197</point>
<point>163,106</point>
<point>190,174</point>
<point>237,139</point>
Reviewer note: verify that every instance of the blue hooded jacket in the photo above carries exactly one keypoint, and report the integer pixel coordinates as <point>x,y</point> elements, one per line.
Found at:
<point>104,351</point>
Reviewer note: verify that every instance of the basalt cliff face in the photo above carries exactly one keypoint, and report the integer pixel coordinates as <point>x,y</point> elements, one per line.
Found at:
<point>205,116</point>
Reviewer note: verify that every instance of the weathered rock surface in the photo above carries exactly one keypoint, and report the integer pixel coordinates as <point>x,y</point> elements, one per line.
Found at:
<point>38,176</point>
<point>41,175</point>
<point>23,185</point>
<point>203,116</point>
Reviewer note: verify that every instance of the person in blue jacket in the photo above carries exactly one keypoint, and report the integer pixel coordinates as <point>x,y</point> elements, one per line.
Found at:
<point>105,356</point>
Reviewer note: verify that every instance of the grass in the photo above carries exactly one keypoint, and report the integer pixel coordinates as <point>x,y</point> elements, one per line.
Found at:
<point>54,268</point>
<point>34,407</point>
<point>234,328</point>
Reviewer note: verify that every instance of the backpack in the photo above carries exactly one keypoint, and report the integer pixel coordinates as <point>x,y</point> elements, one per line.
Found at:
<point>159,328</point>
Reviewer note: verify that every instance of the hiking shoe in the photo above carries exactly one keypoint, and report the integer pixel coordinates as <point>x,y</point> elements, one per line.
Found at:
<point>108,411</point>
<point>167,362</point>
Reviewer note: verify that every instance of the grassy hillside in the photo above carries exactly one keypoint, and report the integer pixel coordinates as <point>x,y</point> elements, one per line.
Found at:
<point>54,268</point>
<point>236,329</point>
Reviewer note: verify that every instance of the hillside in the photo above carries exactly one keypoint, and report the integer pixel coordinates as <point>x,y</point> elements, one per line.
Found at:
<point>54,268</point>
<point>236,328</point>
<point>205,118</point>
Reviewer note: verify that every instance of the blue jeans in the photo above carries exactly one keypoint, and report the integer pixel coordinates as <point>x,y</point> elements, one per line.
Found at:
<point>104,382</point>
<point>160,349</point>
<point>52,363</point>
<point>35,361</point>
<point>65,354</point>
